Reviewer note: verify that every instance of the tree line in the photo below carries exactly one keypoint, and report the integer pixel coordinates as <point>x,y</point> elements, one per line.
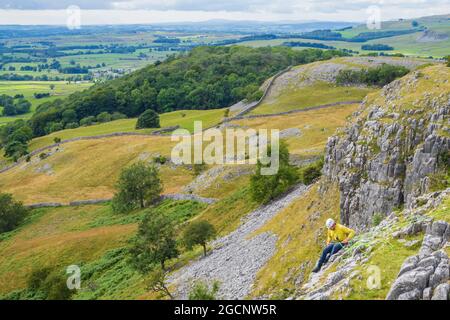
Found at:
<point>379,76</point>
<point>13,106</point>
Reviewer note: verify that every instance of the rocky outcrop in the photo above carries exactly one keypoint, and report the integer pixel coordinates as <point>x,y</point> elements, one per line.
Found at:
<point>386,157</point>
<point>425,276</point>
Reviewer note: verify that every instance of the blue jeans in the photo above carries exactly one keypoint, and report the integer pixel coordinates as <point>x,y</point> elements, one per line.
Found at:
<point>331,249</point>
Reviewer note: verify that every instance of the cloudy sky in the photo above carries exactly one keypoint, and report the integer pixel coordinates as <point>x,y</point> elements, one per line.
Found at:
<point>153,11</point>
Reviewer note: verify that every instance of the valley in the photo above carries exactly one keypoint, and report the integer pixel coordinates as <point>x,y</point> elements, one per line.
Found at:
<point>365,140</point>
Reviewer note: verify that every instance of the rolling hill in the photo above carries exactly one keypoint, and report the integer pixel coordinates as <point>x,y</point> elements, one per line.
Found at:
<point>361,144</point>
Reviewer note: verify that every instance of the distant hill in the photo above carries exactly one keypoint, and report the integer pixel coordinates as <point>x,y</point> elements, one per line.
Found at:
<point>206,78</point>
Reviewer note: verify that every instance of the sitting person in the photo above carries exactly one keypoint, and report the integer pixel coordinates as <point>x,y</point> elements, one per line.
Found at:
<point>338,236</point>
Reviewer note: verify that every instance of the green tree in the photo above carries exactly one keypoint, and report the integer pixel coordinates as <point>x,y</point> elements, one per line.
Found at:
<point>9,110</point>
<point>14,138</point>
<point>103,117</point>
<point>139,186</point>
<point>154,243</point>
<point>149,119</point>
<point>12,213</point>
<point>118,116</point>
<point>16,149</point>
<point>265,188</point>
<point>311,172</point>
<point>201,291</point>
<point>22,106</point>
<point>198,233</point>
<point>157,282</point>
<point>53,127</point>
<point>69,116</point>
<point>168,99</point>
<point>87,121</point>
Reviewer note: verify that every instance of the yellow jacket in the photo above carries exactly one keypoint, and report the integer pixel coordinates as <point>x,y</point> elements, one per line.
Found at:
<point>339,234</point>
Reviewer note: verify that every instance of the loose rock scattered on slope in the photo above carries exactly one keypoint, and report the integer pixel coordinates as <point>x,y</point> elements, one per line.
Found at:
<point>237,257</point>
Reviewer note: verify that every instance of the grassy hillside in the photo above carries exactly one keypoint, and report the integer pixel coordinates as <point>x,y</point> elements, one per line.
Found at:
<point>300,231</point>
<point>317,94</point>
<point>84,236</point>
<point>96,239</point>
<point>315,127</point>
<point>183,118</point>
<point>88,170</point>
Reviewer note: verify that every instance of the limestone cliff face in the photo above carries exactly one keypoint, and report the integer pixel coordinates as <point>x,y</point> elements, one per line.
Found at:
<point>397,145</point>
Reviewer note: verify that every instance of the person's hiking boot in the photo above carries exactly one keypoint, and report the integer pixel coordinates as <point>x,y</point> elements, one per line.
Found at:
<point>316,269</point>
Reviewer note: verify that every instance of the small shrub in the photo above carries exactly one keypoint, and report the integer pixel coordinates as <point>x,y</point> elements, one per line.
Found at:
<point>43,156</point>
<point>149,119</point>
<point>12,213</point>
<point>118,116</point>
<point>104,117</point>
<point>201,291</point>
<point>311,172</point>
<point>439,181</point>
<point>160,159</point>
<point>57,140</point>
<point>377,218</point>
<point>87,121</point>
<point>198,168</point>
<point>72,125</point>
<point>48,284</point>
<point>198,233</point>
<point>265,188</point>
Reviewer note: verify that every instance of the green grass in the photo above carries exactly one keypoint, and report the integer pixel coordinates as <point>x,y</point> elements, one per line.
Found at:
<point>225,215</point>
<point>300,239</point>
<point>389,257</point>
<point>28,88</point>
<point>318,94</point>
<point>443,212</point>
<point>184,118</point>
<point>405,44</point>
<point>91,237</point>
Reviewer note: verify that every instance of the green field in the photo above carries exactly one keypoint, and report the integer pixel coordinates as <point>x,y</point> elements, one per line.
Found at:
<point>184,118</point>
<point>28,88</point>
<point>405,44</point>
<point>318,94</point>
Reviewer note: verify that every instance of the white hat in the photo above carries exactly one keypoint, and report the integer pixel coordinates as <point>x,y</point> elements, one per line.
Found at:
<point>330,222</point>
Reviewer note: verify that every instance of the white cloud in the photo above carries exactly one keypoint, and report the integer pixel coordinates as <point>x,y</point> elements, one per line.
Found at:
<point>151,11</point>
